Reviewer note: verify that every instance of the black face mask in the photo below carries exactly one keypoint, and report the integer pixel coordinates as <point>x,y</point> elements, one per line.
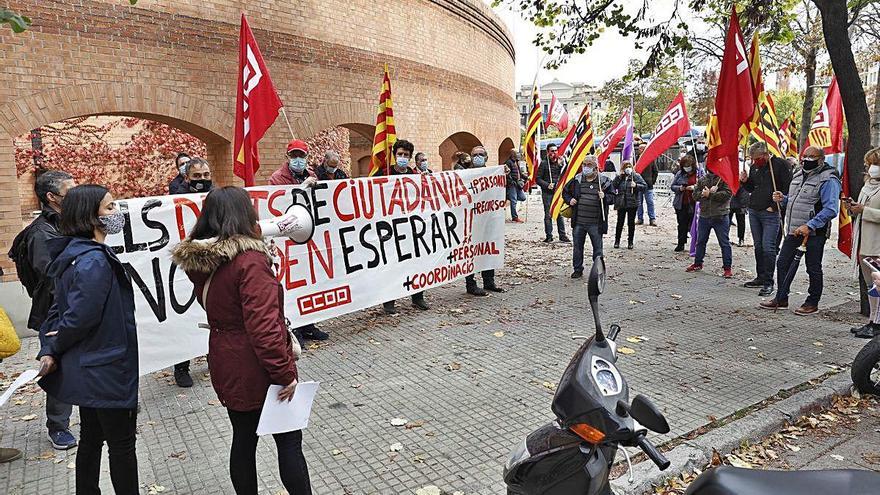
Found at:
<point>810,164</point>
<point>200,185</point>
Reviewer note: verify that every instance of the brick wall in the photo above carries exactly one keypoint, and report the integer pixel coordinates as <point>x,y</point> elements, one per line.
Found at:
<point>175,61</point>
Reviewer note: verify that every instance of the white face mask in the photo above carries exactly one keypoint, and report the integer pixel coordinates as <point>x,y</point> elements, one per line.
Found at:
<point>874,171</point>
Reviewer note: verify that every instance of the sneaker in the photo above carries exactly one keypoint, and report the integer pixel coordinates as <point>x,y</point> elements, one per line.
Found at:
<point>629,246</point>
<point>549,238</point>
<point>694,268</point>
<point>299,338</point>
<point>754,283</point>
<point>806,310</point>
<point>564,239</point>
<point>617,245</point>
<point>859,329</point>
<point>577,274</point>
<point>389,308</point>
<point>9,455</point>
<point>182,378</point>
<point>728,272</point>
<point>420,303</point>
<point>62,439</point>
<point>312,333</point>
<point>653,223</point>
<point>766,290</point>
<point>773,304</point>
<point>475,290</point>
<point>640,222</point>
<point>518,220</point>
<point>740,243</point>
<point>868,331</point>
<point>678,249</point>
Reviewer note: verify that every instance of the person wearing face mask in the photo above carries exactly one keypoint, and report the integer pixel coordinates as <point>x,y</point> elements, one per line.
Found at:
<point>89,345</point>
<point>296,170</point>
<point>548,173</point>
<point>588,195</point>
<point>811,204</point>
<point>628,186</point>
<point>764,217</point>
<point>178,184</point>
<point>329,169</point>
<point>461,161</point>
<point>714,195</point>
<point>700,150</point>
<point>609,166</point>
<point>479,156</point>
<point>684,203</point>
<point>30,252</point>
<point>514,184</point>
<point>403,151</point>
<point>422,163</point>
<point>866,237</point>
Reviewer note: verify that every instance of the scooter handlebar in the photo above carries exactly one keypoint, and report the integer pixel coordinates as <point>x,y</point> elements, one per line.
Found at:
<point>615,330</point>
<point>659,459</point>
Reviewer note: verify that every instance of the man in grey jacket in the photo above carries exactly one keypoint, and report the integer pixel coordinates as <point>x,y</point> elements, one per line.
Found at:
<point>714,196</point>
<point>812,203</point>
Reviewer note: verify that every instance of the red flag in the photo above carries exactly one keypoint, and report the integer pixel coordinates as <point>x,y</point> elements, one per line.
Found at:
<point>844,224</point>
<point>734,106</point>
<point>673,124</point>
<point>827,129</point>
<point>612,137</point>
<point>256,105</point>
<point>558,115</point>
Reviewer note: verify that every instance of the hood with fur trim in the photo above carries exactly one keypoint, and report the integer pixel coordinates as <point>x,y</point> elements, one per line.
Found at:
<point>205,256</point>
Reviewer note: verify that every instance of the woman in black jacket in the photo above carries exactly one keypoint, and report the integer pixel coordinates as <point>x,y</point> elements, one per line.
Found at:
<point>628,185</point>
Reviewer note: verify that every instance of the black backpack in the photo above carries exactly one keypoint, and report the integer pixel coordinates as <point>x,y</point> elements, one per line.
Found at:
<point>28,277</point>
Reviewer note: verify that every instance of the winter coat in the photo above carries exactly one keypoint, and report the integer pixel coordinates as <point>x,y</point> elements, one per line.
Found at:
<point>249,347</point>
<point>741,199</point>
<point>679,187</point>
<point>650,174</point>
<point>760,183</point>
<point>284,177</point>
<point>546,172</point>
<point>322,174</point>
<point>514,178</point>
<point>718,203</point>
<point>866,227</point>
<point>30,252</point>
<point>179,185</point>
<point>96,347</point>
<point>627,197</point>
<point>572,190</point>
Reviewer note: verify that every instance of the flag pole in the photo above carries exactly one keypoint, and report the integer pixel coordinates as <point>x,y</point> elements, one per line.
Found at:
<point>772,172</point>
<point>283,112</point>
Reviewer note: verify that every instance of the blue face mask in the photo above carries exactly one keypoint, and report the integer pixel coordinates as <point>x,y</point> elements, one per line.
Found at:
<point>479,161</point>
<point>297,165</point>
<point>402,163</point>
<point>589,171</point>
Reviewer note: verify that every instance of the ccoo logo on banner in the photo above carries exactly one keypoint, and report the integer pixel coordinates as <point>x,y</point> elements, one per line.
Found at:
<point>375,239</point>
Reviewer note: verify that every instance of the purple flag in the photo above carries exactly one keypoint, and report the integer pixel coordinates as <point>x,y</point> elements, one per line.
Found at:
<point>627,153</point>
<point>695,230</point>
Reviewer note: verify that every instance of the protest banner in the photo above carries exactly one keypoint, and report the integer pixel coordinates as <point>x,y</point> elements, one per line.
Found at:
<point>375,239</point>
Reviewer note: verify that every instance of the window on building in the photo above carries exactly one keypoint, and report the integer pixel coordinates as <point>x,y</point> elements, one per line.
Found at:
<point>545,109</point>
<point>524,109</point>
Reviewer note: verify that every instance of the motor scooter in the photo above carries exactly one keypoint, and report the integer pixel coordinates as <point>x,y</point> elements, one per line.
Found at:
<point>573,455</point>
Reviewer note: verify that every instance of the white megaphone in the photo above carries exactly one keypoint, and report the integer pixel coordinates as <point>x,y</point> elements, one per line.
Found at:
<point>296,224</point>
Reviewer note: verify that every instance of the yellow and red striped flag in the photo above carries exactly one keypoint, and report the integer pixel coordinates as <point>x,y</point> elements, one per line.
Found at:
<point>583,145</point>
<point>757,89</point>
<point>533,124</point>
<point>385,135</point>
<point>766,130</point>
<point>788,137</point>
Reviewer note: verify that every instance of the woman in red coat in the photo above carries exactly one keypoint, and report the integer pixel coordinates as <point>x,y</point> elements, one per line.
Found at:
<point>249,347</point>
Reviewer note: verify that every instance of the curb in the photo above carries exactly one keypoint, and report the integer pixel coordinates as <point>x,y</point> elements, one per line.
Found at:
<point>697,453</point>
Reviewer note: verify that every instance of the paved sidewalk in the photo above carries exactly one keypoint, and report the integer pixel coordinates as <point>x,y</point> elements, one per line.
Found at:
<point>469,391</point>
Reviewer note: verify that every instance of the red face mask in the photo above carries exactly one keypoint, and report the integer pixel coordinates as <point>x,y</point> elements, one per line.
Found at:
<point>759,162</point>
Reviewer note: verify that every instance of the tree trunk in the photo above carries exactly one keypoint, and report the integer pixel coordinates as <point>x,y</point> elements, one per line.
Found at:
<point>875,129</point>
<point>809,95</point>
<point>855,106</point>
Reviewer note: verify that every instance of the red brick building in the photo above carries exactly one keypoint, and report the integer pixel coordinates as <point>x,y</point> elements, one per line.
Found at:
<point>175,61</point>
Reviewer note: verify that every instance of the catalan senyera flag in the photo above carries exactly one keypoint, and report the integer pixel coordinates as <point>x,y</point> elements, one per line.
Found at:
<point>256,106</point>
<point>757,89</point>
<point>788,136</point>
<point>533,124</point>
<point>844,222</point>
<point>766,129</point>
<point>385,134</point>
<point>734,106</point>
<point>827,129</point>
<point>580,148</point>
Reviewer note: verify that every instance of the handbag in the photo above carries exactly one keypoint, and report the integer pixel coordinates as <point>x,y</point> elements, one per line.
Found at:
<point>294,342</point>
<point>9,341</point>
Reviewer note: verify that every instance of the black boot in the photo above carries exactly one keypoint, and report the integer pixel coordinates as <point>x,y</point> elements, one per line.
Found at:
<point>868,331</point>
<point>181,375</point>
<point>472,287</point>
<point>311,332</point>
<point>489,282</point>
<point>418,300</point>
<point>389,308</point>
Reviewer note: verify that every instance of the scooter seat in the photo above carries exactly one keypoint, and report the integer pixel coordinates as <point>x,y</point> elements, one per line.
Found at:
<point>725,480</point>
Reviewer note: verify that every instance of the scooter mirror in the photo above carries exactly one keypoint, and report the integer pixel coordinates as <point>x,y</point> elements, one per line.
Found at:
<point>596,282</point>
<point>647,414</point>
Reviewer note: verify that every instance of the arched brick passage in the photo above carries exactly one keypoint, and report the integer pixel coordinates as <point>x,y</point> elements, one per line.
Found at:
<point>192,115</point>
<point>357,116</point>
<point>504,150</point>
<point>460,141</point>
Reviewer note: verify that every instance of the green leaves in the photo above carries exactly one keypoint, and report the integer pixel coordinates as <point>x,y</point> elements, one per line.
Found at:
<point>18,23</point>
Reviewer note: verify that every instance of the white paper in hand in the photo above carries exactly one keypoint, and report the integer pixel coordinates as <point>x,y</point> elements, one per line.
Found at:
<point>281,417</point>
<point>21,380</point>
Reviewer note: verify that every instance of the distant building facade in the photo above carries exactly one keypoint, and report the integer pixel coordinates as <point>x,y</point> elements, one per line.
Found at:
<point>573,97</point>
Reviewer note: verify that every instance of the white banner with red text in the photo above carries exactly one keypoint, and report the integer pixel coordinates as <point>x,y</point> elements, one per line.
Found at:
<point>376,239</point>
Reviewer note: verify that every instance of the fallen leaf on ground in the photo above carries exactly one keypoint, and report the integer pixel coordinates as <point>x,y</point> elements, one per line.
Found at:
<point>398,421</point>
<point>395,447</point>
<point>737,462</point>
<point>549,385</point>
<point>676,296</point>
<point>818,344</point>
<point>154,488</point>
<point>453,366</point>
<point>428,490</point>
<point>837,457</point>
<point>498,334</point>
<point>635,340</point>
<point>414,424</point>
<point>626,350</point>
<point>29,417</point>
<point>71,465</point>
<point>336,452</point>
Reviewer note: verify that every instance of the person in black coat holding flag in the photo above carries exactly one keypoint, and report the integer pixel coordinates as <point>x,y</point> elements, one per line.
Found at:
<point>588,195</point>
<point>549,173</point>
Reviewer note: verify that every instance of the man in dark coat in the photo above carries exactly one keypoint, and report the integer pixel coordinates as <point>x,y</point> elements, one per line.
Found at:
<point>588,196</point>
<point>650,175</point>
<point>32,259</point>
<point>548,174</point>
<point>479,156</point>
<point>329,168</point>
<point>178,184</point>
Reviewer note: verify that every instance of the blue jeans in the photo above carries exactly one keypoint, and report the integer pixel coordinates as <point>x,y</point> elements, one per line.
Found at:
<point>548,220</point>
<point>813,258</point>
<point>648,197</point>
<point>57,414</point>
<point>765,232</point>
<point>579,235</point>
<point>514,194</point>
<point>721,226</point>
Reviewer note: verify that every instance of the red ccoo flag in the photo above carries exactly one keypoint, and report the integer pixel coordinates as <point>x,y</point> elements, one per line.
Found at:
<point>558,117</point>
<point>612,137</point>
<point>827,129</point>
<point>734,106</point>
<point>256,105</point>
<point>673,124</point>
<point>844,224</point>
